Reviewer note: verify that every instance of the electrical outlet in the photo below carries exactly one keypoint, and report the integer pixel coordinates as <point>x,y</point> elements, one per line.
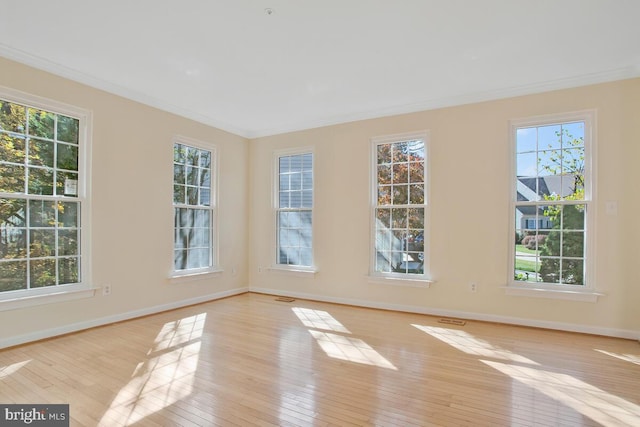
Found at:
<point>106,290</point>
<point>473,287</point>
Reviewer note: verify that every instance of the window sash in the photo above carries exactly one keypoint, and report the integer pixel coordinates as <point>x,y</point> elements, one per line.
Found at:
<point>552,203</point>
<point>194,204</point>
<point>294,208</point>
<point>400,211</point>
<point>44,227</point>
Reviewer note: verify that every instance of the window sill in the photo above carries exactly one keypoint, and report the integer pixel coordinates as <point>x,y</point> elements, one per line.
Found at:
<point>46,298</point>
<point>193,276</point>
<point>562,294</point>
<point>398,281</point>
<point>294,271</point>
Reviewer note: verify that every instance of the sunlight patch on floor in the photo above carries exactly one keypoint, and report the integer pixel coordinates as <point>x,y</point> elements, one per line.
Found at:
<point>164,378</point>
<point>5,371</point>
<point>350,349</point>
<point>633,358</point>
<point>468,344</point>
<point>319,319</point>
<point>602,407</point>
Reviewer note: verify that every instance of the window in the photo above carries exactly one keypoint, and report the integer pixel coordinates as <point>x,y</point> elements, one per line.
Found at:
<point>43,197</point>
<point>552,200</point>
<point>399,206</point>
<point>194,207</point>
<point>294,209</point>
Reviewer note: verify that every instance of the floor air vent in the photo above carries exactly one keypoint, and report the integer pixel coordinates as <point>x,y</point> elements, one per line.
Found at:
<point>449,321</point>
<point>285,299</point>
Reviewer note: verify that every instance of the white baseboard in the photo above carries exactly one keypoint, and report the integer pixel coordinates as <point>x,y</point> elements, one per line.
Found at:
<point>569,327</point>
<point>75,327</point>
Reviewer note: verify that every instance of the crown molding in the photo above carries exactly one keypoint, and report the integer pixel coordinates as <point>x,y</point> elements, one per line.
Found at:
<point>246,132</point>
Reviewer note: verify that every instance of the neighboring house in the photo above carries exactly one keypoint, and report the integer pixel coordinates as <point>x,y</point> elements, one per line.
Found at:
<point>535,188</point>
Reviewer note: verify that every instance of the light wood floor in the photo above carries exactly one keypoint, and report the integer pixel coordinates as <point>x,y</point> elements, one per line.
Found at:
<point>251,360</point>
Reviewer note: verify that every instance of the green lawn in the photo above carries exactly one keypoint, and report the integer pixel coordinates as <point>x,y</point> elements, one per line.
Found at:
<point>524,249</point>
<point>526,265</point>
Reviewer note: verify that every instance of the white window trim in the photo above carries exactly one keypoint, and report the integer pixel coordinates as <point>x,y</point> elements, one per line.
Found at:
<point>587,292</point>
<point>31,297</point>
<point>296,270</point>
<point>400,279</point>
<point>181,276</point>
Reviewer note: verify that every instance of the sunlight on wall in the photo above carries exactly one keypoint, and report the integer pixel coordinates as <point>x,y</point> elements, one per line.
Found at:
<point>164,378</point>
<point>5,371</point>
<point>351,349</point>
<point>467,343</point>
<point>633,358</point>
<point>602,407</point>
<point>319,320</point>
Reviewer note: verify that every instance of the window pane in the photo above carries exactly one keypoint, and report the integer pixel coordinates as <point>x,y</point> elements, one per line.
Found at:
<point>43,243</point>
<point>192,156</point>
<point>307,180</point>
<point>400,194</point>
<point>573,271</point>
<point>179,193</point>
<point>416,196</point>
<point>400,173</point>
<point>13,213</point>
<point>399,218</point>
<point>178,174</point>
<point>13,275</point>
<point>416,172</point>
<point>42,272</point>
<point>205,196</point>
<point>68,214</point>
<point>526,140</point>
<point>573,244</point>
<point>399,152</point>
<point>67,242</point>
<point>550,270</point>
<point>549,137</point>
<point>68,129</point>
<point>42,213</point>
<point>67,157</point>
<point>69,270</point>
<point>205,177</point>
<point>179,153</point>
<point>41,152</point>
<point>192,196</point>
<point>41,123</point>
<point>12,117</point>
<point>67,184</point>
<point>205,159</point>
<point>13,242</point>
<point>40,181</point>
<point>12,178</point>
<point>12,148</point>
<point>526,165</point>
<point>192,175</point>
<point>573,217</point>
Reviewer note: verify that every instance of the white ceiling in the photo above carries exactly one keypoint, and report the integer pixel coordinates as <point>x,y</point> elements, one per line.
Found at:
<point>316,62</point>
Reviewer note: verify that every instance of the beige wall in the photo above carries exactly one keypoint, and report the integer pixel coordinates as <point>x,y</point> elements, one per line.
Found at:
<point>470,196</point>
<point>132,216</point>
<point>469,154</point>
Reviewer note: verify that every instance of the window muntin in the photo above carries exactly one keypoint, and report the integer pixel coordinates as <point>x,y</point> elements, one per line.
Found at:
<point>552,201</point>
<point>41,201</point>
<point>399,213</point>
<point>194,209</point>
<point>294,213</point>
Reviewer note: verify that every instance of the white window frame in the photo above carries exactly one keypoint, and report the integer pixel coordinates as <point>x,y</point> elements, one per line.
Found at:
<point>276,266</point>
<point>10,300</point>
<point>586,292</point>
<point>404,279</point>
<point>214,267</point>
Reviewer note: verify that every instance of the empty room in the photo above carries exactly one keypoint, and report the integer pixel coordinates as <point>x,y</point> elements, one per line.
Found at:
<point>305,213</point>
